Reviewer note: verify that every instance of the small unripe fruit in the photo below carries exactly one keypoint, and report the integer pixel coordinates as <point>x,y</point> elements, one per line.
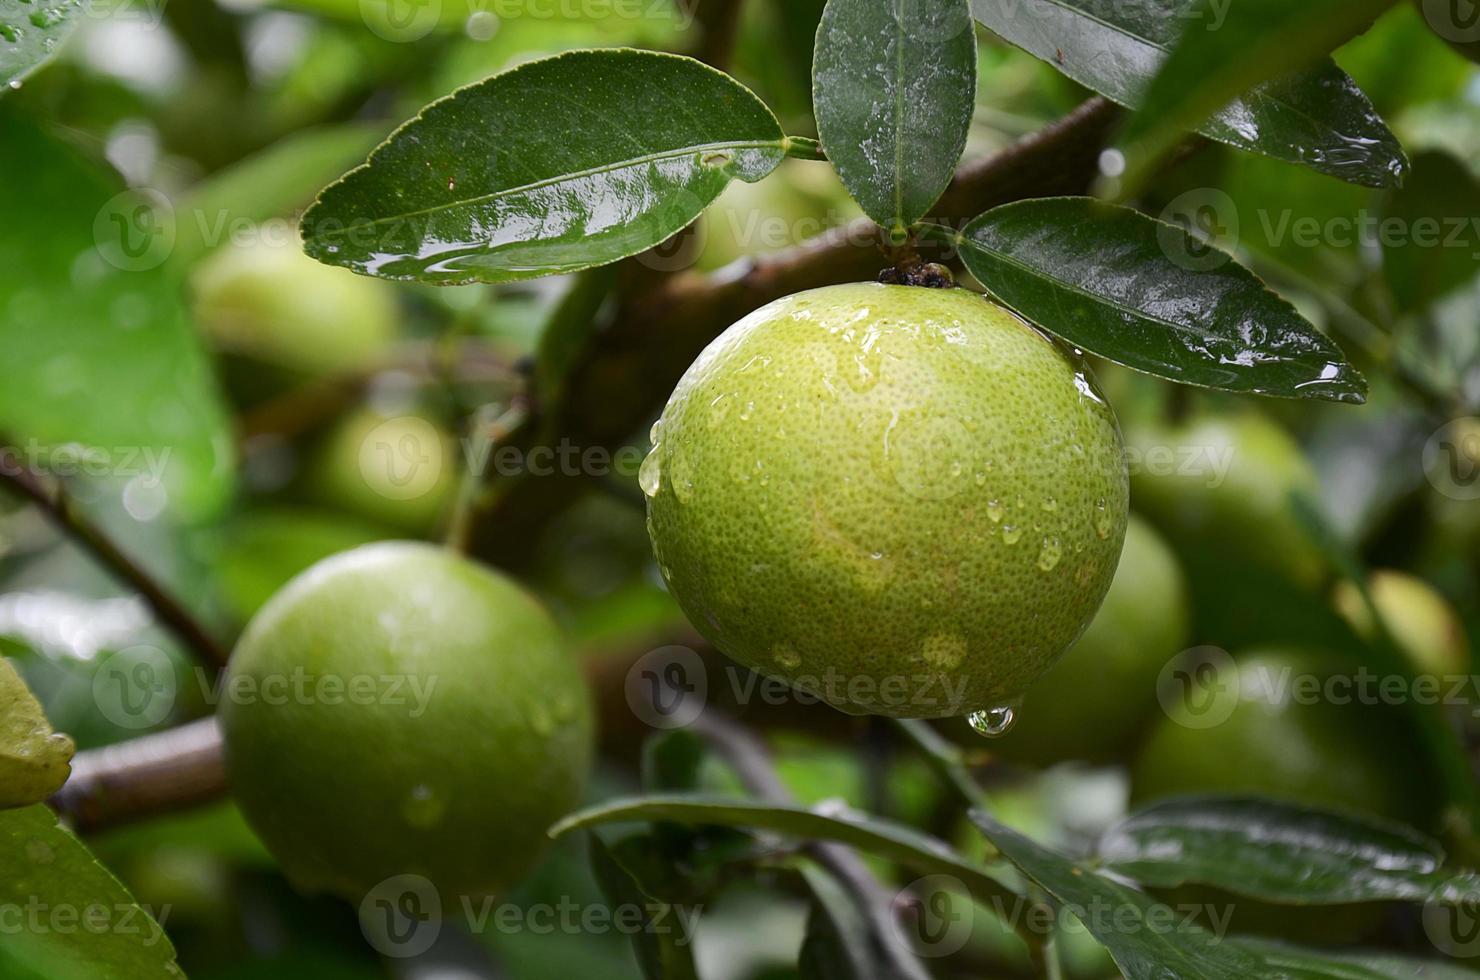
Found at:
<point>904,501</point>
<point>1423,625</point>
<point>398,709</point>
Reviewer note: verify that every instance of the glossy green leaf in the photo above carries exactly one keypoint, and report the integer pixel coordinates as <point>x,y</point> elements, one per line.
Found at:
<point>885,838</point>
<point>33,759</point>
<point>1277,852</point>
<point>1316,117</point>
<point>841,943</point>
<point>1286,962</point>
<point>112,362</point>
<point>662,952</point>
<point>555,166</point>
<point>1253,42</point>
<point>31,32</point>
<point>1148,940</point>
<point>1148,295</point>
<point>893,87</point>
<point>82,924</point>
<point>1431,248</point>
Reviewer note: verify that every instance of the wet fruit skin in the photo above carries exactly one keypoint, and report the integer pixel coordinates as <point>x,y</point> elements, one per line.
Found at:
<point>1091,703</point>
<point>475,736</point>
<point>903,501</point>
<point>1293,743</point>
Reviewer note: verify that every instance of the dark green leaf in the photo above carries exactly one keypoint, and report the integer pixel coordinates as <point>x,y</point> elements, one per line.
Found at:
<point>840,942</point>
<point>44,867</point>
<point>885,838</point>
<point>31,31</point>
<point>663,952</point>
<point>1275,851</point>
<point>1148,295</point>
<point>1316,117</point>
<point>1148,940</point>
<point>893,86</point>
<point>555,166</point>
<point>1428,240</point>
<point>33,759</point>
<point>1287,962</point>
<point>111,360</point>
<point>671,761</point>
<point>1256,41</point>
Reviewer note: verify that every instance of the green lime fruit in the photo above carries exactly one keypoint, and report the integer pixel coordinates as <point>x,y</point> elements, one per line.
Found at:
<point>1223,486</point>
<point>397,709</point>
<point>902,501</point>
<point>1290,724</point>
<point>393,470</point>
<point>267,300</point>
<point>1422,623</point>
<point>1092,702</point>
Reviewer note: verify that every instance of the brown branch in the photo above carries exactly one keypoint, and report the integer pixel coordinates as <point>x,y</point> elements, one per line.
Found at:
<point>159,773</point>
<point>717,23</point>
<point>52,500</point>
<point>631,365</point>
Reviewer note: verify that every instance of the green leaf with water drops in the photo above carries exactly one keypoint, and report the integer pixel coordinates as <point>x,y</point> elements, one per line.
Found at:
<point>1148,295</point>
<point>1282,961</point>
<point>1245,45</point>
<point>1316,117</point>
<point>72,919</point>
<point>33,759</point>
<point>111,360</point>
<point>556,166</point>
<point>894,86</point>
<point>31,32</point>
<point>1278,852</point>
<point>885,838</point>
<point>1147,940</point>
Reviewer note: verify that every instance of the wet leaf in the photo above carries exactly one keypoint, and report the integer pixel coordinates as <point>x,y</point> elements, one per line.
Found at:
<point>31,32</point>
<point>558,165</point>
<point>1316,117</point>
<point>33,759</point>
<point>1277,852</point>
<point>1147,295</point>
<point>1249,44</point>
<point>1285,962</point>
<point>44,867</point>
<point>893,87</point>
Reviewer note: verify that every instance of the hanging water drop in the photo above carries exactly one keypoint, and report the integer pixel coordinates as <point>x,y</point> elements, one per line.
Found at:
<point>993,722</point>
<point>649,475</point>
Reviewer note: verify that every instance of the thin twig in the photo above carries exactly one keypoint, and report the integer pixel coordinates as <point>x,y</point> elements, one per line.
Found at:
<point>50,497</point>
<point>948,761</point>
<point>487,433</point>
<point>154,774</point>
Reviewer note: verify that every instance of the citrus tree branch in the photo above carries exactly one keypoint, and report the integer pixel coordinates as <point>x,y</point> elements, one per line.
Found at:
<point>50,497</point>
<point>636,354</point>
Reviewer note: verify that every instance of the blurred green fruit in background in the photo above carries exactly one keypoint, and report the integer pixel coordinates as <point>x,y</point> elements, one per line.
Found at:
<point>1291,724</point>
<point>1422,623</point>
<point>394,470</point>
<point>398,709</point>
<point>265,299</point>
<point>904,501</point>
<point>1091,703</point>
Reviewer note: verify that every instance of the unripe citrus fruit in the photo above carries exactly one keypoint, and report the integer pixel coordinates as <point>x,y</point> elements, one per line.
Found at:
<point>397,709</point>
<point>395,470</point>
<point>1423,625</point>
<point>1286,723</point>
<point>268,300</point>
<point>904,501</point>
<point>1090,703</point>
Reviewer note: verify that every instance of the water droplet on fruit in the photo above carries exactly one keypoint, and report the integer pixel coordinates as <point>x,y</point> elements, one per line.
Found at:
<point>1103,520</point>
<point>650,475</point>
<point>786,656</point>
<point>719,409</point>
<point>996,511</point>
<point>39,852</point>
<point>423,807</point>
<point>1011,534</point>
<point>993,722</point>
<point>747,411</point>
<point>1050,505</point>
<point>655,434</point>
<point>1050,555</point>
